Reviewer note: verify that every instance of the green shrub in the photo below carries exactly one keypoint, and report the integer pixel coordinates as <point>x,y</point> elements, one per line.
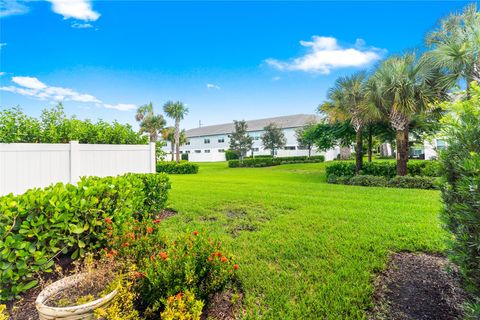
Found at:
<point>412,182</point>
<point>177,168</point>
<point>368,181</point>
<point>63,219</point>
<point>268,161</point>
<point>461,188</point>
<point>185,156</point>
<point>231,155</point>
<point>386,169</point>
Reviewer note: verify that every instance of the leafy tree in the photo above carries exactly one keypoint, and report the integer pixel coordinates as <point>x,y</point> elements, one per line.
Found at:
<point>176,111</point>
<point>401,88</point>
<point>150,122</point>
<point>273,138</point>
<point>240,141</point>
<point>168,134</point>
<point>306,138</point>
<point>456,45</point>
<point>461,188</point>
<point>329,135</point>
<point>15,127</point>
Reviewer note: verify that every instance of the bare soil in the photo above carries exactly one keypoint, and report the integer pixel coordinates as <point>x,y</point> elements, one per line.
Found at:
<point>418,286</point>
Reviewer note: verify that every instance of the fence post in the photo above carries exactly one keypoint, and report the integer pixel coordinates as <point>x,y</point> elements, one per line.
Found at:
<point>74,162</point>
<point>153,158</point>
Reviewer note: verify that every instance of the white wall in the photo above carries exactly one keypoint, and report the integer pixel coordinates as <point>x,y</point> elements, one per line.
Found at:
<point>29,165</point>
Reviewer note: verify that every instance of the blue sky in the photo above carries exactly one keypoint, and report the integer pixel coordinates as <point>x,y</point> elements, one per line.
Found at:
<point>225,60</point>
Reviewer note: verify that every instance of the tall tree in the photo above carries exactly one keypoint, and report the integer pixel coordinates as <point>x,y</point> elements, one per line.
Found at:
<point>401,88</point>
<point>273,138</point>
<point>349,102</point>
<point>177,111</point>
<point>240,141</point>
<point>150,122</point>
<point>306,138</point>
<point>456,45</point>
<point>168,134</point>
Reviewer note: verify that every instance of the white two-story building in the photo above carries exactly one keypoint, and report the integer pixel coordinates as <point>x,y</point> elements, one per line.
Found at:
<point>208,143</point>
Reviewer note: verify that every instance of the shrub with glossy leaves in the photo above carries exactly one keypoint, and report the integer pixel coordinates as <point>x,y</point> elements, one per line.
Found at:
<point>269,161</point>
<point>68,219</point>
<point>412,182</point>
<point>177,168</point>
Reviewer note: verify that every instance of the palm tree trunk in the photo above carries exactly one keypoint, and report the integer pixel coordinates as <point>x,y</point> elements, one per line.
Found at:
<point>358,151</point>
<point>177,140</point>
<point>344,152</point>
<point>369,151</point>
<point>309,151</point>
<point>402,151</point>
<point>172,144</point>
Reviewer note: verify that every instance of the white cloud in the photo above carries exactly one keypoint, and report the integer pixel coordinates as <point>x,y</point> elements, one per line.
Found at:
<point>2,73</point>
<point>213,86</point>
<point>29,82</point>
<point>2,44</point>
<point>78,25</point>
<point>12,7</point>
<point>32,87</point>
<point>77,9</point>
<point>325,54</point>
<point>121,106</point>
<point>276,78</point>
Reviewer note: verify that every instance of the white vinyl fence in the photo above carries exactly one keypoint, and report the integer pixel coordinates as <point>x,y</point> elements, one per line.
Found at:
<point>30,165</point>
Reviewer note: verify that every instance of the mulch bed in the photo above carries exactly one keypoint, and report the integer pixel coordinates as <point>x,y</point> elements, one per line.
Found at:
<point>223,305</point>
<point>418,286</point>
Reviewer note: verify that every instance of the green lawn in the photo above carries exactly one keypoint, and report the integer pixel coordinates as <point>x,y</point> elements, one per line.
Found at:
<point>306,249</point>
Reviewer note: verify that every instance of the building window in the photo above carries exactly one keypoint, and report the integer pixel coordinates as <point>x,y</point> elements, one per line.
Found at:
<point>221,150</point>
<point>221,140</point>
<point>188,151</point>
<point>206,141</point>
<point>198,151</point>
<point>255,149</point>
<point>187,143</point>
<point>290,148</point>
<point>441,145</point>
<point>207,151</point>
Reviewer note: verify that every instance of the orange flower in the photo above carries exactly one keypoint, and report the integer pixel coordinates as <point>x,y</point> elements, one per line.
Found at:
<point>138,275</point>
<point>210,258</point>
<point>149,229</point>
<point>235,267</point>
<point>179,296</point>
<point>108,220</point>
<point>224,259</point>
<point>219,254</point>
<point>195,233</point>
<point>152,257</point>
<point>163,255</point>
<point>125,244</point>
<point>156,221</point>
<point>132,235</point>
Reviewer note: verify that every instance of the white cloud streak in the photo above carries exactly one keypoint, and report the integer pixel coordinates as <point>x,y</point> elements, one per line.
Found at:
<point>213,86</point>
<point>76,9</point>
<point>324,54</point>
<point>78,25</point>
<point>12,8</point>
<point>32,87</point>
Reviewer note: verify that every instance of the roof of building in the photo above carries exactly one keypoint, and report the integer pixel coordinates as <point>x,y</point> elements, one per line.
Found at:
<point>293,121</point>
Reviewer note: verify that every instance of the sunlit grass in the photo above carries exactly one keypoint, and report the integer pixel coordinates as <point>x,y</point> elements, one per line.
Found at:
<point>306,249</point>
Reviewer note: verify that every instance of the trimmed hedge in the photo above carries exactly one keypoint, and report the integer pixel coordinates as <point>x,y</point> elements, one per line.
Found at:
<point>380,181</point>
<point>68,219</point>
<point>268,162</point>
<point>387,169</point>
<point>177,168</point>
<point>231,155</point>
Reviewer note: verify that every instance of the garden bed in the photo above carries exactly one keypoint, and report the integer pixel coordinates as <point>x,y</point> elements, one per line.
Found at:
<point>418,286</point>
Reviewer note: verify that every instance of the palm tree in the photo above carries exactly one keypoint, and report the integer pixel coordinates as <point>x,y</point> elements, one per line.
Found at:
<point>456,45</point>
<point>168,134</point>
<point>177,111</point>
<point>150,122</point>
<point>401,88</point>
<point>349,103</point>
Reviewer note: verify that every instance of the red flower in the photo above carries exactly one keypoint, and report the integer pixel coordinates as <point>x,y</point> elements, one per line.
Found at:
<point>210,258</point>
<point>219,254</point>
<point>235,267</point>
<point>224,259</point>
<point>149,229</point>
<point>132,235</point>
<point>152,257</point>
<point>138,275</point>
<point>108,220</point>
<point>163,255</point>
<point>125,244</point>
<point>195,233</point>
<point>179,296</point>
<point>156,221</point>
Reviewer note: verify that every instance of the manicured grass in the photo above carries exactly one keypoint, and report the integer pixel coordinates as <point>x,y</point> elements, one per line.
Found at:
<point>306,249</point>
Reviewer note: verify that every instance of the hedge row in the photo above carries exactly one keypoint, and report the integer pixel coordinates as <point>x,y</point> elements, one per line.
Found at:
<point>69,219</point>
<point>380,181</point>
<point>268,162</point>
<point>177,168</point>
<point>386,169</point>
